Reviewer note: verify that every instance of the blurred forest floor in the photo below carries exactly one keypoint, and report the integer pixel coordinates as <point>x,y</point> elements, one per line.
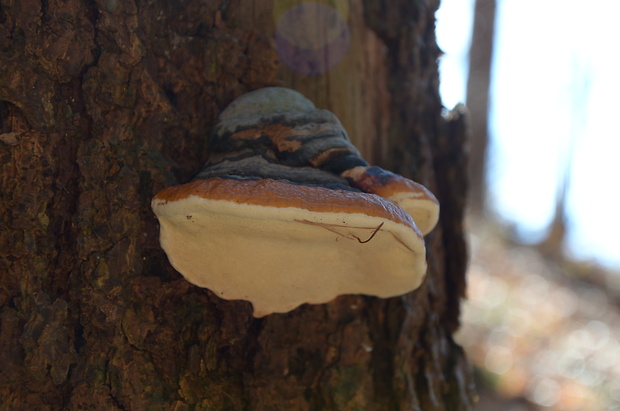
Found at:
<point>542,331</point>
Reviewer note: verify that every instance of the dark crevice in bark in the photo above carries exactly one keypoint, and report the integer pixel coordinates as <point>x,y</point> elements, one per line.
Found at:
<point>381,316</point>
<point>5,127</point>
<point>44,10</point>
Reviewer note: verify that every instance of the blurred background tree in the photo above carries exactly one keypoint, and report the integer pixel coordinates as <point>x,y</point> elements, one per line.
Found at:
<point>541,324</point>
<point>477,98</point>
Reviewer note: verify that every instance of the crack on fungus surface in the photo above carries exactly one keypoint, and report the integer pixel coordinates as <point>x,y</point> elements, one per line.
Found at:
<point>349,236</point>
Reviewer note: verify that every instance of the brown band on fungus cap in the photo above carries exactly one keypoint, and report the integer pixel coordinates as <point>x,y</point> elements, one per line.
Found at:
<point>248,166</point>
<point>285,138</point>
<point>280,245</point>
<point>288,126</point>
<point>413,197</point>
<point>272,193</point>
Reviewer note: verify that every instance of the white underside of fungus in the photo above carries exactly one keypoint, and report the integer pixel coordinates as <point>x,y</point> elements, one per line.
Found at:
<point>284,252</point>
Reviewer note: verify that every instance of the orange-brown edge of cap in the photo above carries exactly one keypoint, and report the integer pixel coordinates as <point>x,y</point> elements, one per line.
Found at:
<point>279,194</point>
<point>396,184</point>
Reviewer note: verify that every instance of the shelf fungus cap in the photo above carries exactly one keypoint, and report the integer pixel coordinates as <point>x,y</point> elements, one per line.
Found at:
<point>280,245</point>
<point>268,103</point>
<point>413,197</point>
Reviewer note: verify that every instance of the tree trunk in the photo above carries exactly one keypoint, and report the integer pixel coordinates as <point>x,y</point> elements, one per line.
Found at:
<point>478,86</point>
<point>105,102</point>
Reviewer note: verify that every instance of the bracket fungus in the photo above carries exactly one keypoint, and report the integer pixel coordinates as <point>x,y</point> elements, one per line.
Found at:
<point>287,212</point>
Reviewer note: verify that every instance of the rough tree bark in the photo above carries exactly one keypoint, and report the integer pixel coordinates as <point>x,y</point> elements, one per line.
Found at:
<point>105,102</point>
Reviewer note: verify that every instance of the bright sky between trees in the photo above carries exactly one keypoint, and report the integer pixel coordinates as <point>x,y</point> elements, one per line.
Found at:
<point>554,109</point>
